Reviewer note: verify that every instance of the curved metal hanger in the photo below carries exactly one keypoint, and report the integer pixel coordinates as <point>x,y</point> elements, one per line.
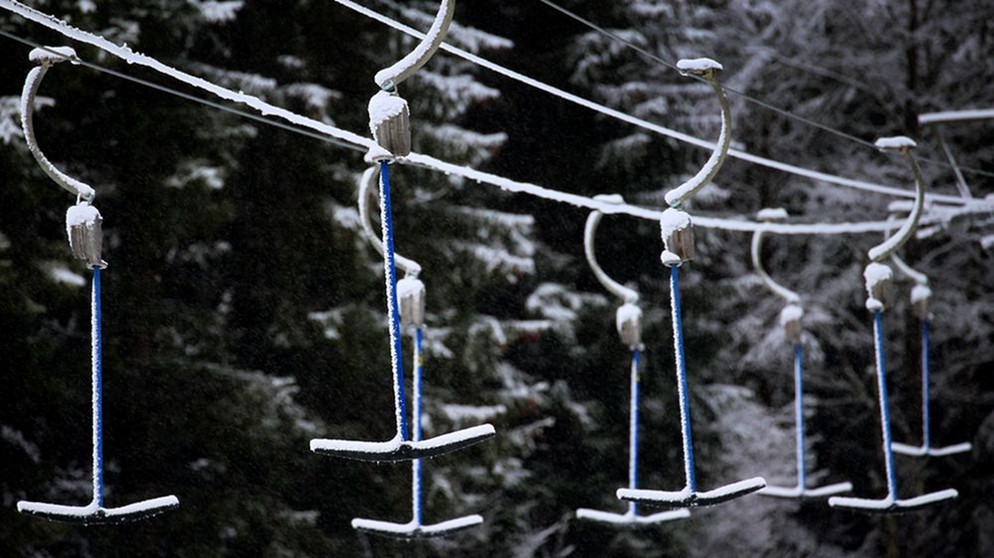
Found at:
<point>589,232</point>
<point>83,225</point>
<point>878,277</point>
<point>706,69</point>
<point>902,145</point>
<point>389,78</point>
<point>45,58</point>
<point>768,216</point>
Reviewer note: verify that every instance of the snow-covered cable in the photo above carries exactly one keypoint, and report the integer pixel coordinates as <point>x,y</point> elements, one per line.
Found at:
<point>644,124</point>
<point>132,57</point>
<point>360,142</point>
<point>193,98</point>
<point>952,116</point>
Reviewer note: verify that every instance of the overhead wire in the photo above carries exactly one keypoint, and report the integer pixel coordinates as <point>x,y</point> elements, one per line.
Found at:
<point>646,125</point>
<point>442,166</point>
<point>188,97</point>
<point>745,96</point>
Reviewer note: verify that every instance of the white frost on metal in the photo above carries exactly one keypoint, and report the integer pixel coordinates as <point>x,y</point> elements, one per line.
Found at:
<point>895,142</point>
<point>389,78</point>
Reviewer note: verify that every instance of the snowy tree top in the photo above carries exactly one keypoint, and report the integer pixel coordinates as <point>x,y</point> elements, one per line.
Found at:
<point>52,55</point>
<point>895,143</point>
<point>697,65</point>
<point>772,214</point>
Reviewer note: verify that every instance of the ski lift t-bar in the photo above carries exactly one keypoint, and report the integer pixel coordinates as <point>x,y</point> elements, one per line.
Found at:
<point>84,229</point>
<point>389,122</point>
<point>790,321</point>
<point>678,240</point>
<point>920,295</point>
<point>878,277</point>
<point>629,324</point>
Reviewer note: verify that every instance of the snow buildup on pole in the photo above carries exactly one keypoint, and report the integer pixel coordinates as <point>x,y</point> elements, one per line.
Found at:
<point>53,55</point>
<point>84,230</point>
<point>920,293</point>
<point>389,122</point>
<point>678,237</point>
<point>790,321</point>
<point>628,320</point>
<point>895,143</point>
<point>411,296</point>
<point>697,65</point>
<point>877,277</point>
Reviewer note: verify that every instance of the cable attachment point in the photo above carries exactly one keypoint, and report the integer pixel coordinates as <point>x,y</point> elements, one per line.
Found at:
<point>878,279</point>
<point>628,320</point>
<point>390,124</point>
<point>411,297</point>
<point>678,237</point>
<point>700,67</point>
<point>920,295</point>
<point>85,231</point>
<point>790,321</point>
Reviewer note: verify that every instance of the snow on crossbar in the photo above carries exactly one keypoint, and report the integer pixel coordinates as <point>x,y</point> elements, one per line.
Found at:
<point>687,498</point>
<point>802,492</point>
<point>920,451</point>
<point>631,520</point>
<point>93,514</point>
<point>413,530</point>
<point>891,505</point>
<point>398,450</point>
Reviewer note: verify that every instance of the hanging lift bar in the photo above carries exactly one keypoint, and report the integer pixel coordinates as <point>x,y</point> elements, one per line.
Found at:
<point>878,277</point>
<point>920,295</point>
<point>389,122</point>
<point>628,320</point>
<point>678,240</point>
<point>411,300</point>
<point>84,229</point>
<point>790,321</point>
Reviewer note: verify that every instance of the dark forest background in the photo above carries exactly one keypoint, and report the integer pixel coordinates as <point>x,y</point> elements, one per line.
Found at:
<point>244,311</point>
